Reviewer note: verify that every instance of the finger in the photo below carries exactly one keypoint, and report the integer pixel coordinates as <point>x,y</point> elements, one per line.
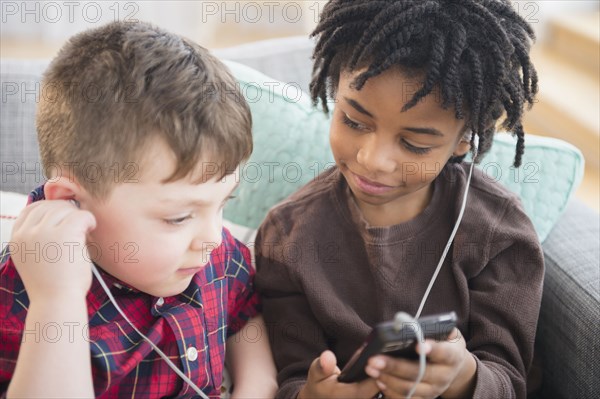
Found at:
<point>80,221</point>
<point>314,372</point>
<point>322,367</point>
<point>401,368</point>
<point>454,335</point>
<point>424,347</point>
<point>447,352</point>
<point>29,216</point>
<point>399,388</point>
<point>328,363</point>
<point>46,213</point>
<point>54,217</point>
<point>61,209</point>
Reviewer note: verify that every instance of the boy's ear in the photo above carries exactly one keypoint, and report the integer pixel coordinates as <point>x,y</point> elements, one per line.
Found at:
<point>62,188</point>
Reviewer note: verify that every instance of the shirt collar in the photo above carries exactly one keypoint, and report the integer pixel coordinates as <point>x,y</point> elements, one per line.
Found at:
<point>36,194</point>
<point>96,296</point>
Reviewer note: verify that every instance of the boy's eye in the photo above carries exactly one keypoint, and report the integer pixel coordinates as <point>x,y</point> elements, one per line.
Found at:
<point>415,149</point>
<point>177,221</point>
<point>352,124</point>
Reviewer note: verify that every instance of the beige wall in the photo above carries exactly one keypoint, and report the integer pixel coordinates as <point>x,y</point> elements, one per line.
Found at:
<point>34,29</point>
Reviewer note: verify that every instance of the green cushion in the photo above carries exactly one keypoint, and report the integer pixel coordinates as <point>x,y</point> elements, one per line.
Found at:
<point>291,147</point>
<point>547,178</point>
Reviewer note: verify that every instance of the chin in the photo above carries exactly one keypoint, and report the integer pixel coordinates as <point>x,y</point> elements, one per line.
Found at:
<point>164,293</point>
<point>168,290</point>
<point>373,199</point>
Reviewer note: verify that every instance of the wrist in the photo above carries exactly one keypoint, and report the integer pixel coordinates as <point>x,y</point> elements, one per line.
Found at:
<point>64,305</point>
<point>65,298</point>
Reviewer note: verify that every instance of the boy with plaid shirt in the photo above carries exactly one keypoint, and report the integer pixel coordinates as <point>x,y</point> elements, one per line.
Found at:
<point>130,140</point>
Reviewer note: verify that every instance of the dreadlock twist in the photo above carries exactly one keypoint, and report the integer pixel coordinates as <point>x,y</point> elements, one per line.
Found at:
<point>476,51</point>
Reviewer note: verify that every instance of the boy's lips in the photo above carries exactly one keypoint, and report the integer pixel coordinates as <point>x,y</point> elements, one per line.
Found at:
<point>369,186</point>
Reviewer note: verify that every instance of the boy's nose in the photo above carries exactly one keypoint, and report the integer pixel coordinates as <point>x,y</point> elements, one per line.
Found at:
<point>207,238</point>
<point>375,156</point>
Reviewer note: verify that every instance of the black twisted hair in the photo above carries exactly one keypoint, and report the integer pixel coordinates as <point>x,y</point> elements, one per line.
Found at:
<point>476,51</point>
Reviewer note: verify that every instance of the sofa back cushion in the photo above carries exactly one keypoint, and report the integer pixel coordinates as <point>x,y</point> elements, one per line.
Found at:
<point>291,146</point>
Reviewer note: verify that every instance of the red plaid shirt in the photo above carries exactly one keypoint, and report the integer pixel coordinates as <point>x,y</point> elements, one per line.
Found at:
<point>191,328</point>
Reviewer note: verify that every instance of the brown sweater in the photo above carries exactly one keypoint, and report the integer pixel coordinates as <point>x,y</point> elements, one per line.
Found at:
<point>326,277</point>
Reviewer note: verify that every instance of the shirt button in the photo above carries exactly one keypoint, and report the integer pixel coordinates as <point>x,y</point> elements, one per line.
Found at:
<point>192,354</point>
<point>160,301</point>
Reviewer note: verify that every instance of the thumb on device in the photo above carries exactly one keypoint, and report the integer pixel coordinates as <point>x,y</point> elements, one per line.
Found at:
<point>323,367</point>
<point>328,363</point>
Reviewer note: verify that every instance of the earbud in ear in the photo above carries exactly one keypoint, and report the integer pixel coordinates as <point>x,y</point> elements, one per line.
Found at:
<point>475,148</point>
<point>75,202</point>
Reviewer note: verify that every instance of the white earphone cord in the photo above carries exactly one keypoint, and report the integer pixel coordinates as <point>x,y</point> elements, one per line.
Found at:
<point>404,317</point>
<point>448,244</point>
<point>160,353</point>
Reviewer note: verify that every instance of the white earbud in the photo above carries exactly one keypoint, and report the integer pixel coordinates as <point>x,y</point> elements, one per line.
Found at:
<point>475,148</point>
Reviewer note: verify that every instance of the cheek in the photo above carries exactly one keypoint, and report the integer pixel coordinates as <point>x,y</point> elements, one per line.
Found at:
<point>151,257</point>
<point>109,233</point>
<point>341,145</point>
<point>162,246</point>
<point>121,240</point>
<point>422,173</point>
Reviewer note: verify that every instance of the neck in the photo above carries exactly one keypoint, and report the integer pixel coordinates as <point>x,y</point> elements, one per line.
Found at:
<point>399,211</point>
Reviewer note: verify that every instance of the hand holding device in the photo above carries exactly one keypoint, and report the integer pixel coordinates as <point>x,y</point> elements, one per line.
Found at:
<point>396,339</point>
<point>450,373</point>
<point>322,382</point>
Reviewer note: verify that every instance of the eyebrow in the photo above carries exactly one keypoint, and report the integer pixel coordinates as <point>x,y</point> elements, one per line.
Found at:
<point>424,130</point>
<point>358,107</point>
<point>199,202</point>
<point>419,130</point>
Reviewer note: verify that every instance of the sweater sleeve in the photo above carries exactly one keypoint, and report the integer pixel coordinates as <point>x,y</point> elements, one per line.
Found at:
<point>295,335</point>
<point>505,300</point>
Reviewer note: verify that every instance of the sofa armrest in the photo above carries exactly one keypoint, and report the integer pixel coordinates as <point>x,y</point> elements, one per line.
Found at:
<point>567,339</point>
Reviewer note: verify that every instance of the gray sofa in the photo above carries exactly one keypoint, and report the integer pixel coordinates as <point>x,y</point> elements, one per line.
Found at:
<point>568,340</point>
